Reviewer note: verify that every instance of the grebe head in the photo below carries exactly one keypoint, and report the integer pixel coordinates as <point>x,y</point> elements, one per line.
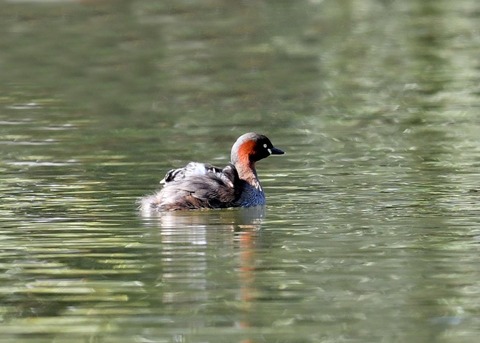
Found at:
<point>252,147</point>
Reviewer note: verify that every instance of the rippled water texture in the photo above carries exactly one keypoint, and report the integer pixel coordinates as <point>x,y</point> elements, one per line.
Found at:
<point>371,232</point>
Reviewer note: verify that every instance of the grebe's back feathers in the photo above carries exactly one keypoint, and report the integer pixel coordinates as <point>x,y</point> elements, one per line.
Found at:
<point>197,185</point>
<point>191,169</point>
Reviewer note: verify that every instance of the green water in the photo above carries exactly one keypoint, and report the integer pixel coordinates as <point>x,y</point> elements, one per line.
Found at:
<point>372,228</point>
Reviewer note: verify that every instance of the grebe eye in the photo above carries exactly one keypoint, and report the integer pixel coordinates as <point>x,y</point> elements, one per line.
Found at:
<point>265,145</point>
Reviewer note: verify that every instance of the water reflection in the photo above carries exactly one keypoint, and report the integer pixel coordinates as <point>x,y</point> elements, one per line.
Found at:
<point>191,242</point>
<point>195,219</point>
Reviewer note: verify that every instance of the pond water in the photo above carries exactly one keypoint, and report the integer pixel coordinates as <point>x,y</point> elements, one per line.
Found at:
<point>372,228</point>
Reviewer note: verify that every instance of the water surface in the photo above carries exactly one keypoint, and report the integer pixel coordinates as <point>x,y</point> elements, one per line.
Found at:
<point>371,232</point>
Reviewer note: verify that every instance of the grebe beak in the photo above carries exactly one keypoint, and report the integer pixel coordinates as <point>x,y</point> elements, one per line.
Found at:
<point>275,151</point>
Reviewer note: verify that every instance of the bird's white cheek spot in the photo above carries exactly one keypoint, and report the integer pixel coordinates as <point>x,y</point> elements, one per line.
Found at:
<point>269,151</point>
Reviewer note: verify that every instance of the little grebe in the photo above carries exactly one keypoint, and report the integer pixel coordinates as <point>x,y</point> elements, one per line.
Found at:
<point>201,185</point>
